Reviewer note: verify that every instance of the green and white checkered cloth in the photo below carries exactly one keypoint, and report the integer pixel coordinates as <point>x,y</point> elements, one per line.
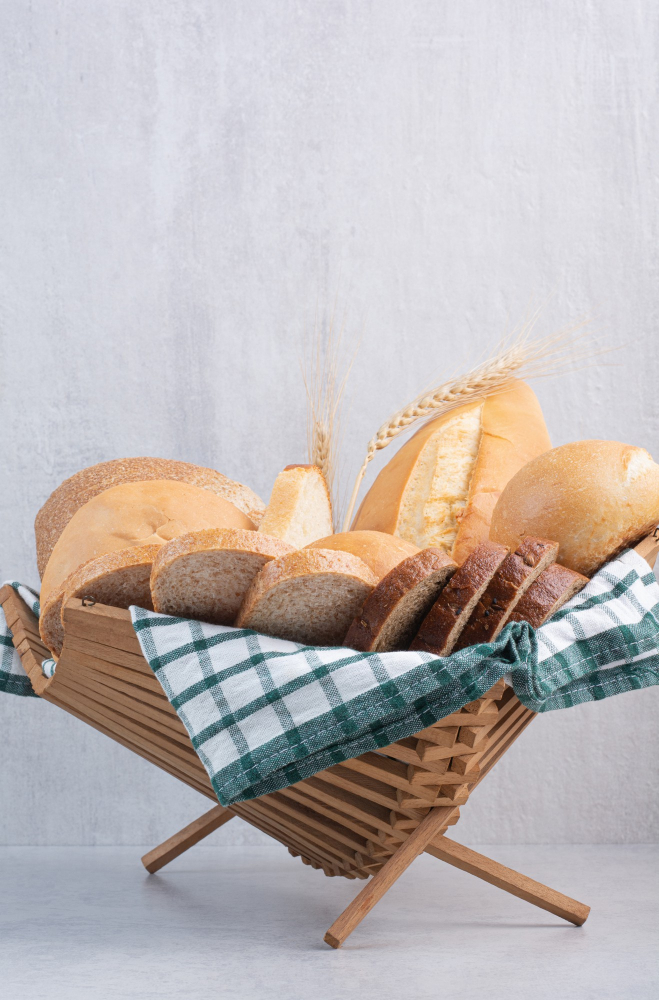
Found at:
<point>263,713</point>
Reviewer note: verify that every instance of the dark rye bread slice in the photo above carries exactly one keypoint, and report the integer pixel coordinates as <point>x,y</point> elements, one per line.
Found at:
<point>508,585</point>
<point>551,591</point>
<point>451,611</point>
<point>392,613</point>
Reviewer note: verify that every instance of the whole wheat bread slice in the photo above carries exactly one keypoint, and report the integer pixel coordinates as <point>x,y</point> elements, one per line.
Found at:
<point>206,574</point>
<point>553,588</point>
<point>508,585</point>
<point>392,613</point>
<point>310,596</point>
<point>451,611</point>
<point>300,509</point>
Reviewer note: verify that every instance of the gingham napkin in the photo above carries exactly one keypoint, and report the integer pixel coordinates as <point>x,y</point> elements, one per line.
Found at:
<point>263,713</point>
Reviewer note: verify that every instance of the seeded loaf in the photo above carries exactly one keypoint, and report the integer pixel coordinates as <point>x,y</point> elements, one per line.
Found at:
<point>393,612</point>
<point>117,578</point>
<point>445,621</point>
<point>300,509</point>
<point>552,589</point>
<point>508,585</point>
<point>310,596</point>
<point>206,574</point>
<point>594,498</point>
<point>380,552</point>
<point>76,491</point>
<point>142,513</point>
<point>441,487</point>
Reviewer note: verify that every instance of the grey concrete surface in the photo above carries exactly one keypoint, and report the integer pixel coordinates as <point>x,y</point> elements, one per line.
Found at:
<point>248,923</point>
<point>182,183</point>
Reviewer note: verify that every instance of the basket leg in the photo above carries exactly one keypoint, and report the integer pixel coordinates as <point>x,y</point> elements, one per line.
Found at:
<point>505,878</point>
<point>410,849</point>
<point>186,838</point>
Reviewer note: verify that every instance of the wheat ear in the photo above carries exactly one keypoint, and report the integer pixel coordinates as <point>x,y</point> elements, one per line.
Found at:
<point>517,357</point>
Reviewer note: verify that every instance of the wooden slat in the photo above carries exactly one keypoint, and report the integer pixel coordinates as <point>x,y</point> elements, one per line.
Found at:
<point>110,626</point>
<point>186,838</point>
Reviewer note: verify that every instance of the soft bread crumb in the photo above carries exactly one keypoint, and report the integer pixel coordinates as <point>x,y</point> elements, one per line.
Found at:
<point>638,462</point>
<point>437,491</point>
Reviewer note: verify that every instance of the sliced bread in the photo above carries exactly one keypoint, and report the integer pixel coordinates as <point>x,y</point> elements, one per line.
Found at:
<point>380,551</point>
<point>206,574</point>
<point>392,613</point>
<point>300,509</point>
<point>118,578</point>
<point>553,588</point>
<point>451,611</point>
<point>508,585</point>
<point>310,596</point>
<point>76,491</point>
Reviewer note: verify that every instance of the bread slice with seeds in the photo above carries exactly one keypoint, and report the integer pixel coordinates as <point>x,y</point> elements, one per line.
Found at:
<point>392,613</point>
<point>553,588</point>
<point>451,611</point>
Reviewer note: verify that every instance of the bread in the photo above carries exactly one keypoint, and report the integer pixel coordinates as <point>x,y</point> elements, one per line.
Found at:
<point>300,509</point>
<point>310,596</point>
<point>451,611</point>
<point>381,552</point>
<point>594,498</point>
<point>76,491</point>
<point>441,486</point>
<point>118,578</point>
<point>553,588</point>
<point>206,574</point>
<point>508,585</point>
<point>392,613</point>
<point>143,513</point>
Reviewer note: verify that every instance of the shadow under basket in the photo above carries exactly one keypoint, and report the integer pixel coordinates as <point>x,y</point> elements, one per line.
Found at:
<point>367,818</point>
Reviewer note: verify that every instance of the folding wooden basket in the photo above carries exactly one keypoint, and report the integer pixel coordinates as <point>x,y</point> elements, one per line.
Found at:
<point>366,818</point>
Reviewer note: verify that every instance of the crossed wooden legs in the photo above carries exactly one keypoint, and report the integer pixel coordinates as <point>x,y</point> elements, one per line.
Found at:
<point>426,838</point>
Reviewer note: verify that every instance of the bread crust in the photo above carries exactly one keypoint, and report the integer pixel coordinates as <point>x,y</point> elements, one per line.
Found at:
<point>552,589</point>
<point>444,622</point>
<point>515,575</point>
<point>383,610</point>
<point>379,550</point>
<point>78,489</point>
<point>512,432</point>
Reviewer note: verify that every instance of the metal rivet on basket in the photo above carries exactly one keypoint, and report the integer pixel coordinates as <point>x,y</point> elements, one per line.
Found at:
<point>88,602</point>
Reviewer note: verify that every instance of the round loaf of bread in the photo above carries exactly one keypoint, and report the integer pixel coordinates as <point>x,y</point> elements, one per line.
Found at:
<point>133,514</point>
<point>594,498</point>
<point>380,551</point>
<point>79,489</point>
<point>440,488</point>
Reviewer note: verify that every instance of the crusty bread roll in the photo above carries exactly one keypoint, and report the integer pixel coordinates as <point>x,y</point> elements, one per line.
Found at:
<point>392,613</point>
<point>300,509</point>
<point>118,578</point>
<point>380,551</point>
<point>144,513</point>
<point>441,486</point>
<point>594,498</point>
<point>206,574</point>
<point>310,596</point>
<point>76,491</point>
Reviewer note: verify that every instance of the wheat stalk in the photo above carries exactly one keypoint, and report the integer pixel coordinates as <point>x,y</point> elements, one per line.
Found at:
<point>516,357</point>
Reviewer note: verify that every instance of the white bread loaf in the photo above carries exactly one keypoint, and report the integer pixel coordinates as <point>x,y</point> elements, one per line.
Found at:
<point>79,489</point>
<point>380,552</point>
<point>441,487</point>
<point>310,596</point>
<point>144,513</point>
<point>300,509</point>
<point>206,574</point>
<point>594,498</point>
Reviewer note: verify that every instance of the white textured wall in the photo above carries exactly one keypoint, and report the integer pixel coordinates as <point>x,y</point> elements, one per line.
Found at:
<point>180,182</point>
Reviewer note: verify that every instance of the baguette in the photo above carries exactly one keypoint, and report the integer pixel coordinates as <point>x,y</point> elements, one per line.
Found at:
<point>380,552</point>
<point>206,574</point>
<point>300,509</point>
<point>451,611</point>
<point>553,588</point>
<point>76,491</point>
<point>310,596</point>
<point>392,613</point>
<point>508,585</point>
